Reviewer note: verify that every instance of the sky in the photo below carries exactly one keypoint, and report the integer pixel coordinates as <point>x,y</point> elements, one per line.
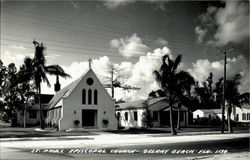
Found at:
<point>130,35</point>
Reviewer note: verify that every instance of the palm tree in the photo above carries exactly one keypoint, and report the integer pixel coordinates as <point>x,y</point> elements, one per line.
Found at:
<point>234,98</point>
<point>170,81</point>
<point>40,71</point>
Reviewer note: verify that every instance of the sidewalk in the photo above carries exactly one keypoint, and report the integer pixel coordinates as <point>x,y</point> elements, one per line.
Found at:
<point>96,134</point>
<point>110,139</point>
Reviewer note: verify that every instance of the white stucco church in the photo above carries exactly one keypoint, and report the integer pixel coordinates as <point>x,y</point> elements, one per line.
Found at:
<point>85,100</point>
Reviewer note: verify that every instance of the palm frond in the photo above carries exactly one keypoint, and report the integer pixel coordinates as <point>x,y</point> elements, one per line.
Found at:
<point>158,78</point>
<point>56,70</point>
<point>177,62</point>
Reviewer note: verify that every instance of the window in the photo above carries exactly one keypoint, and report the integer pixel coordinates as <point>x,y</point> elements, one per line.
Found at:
<point>248,116</point>
<point>237,117</point>
<point>95,97</point>
<point>182,114</point>
<point>135,116</point>
<point>90,81</point>
<point>83,96</point>
<point>126,116</point>
<point>89,96</point>
<point>32,114</point>
<point>118,116</point>
<point>243,116</point>
<point>155,116</point>
<point>209,116</point>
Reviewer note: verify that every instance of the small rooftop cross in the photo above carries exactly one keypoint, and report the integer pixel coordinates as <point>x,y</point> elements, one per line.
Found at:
<point>90,61</point>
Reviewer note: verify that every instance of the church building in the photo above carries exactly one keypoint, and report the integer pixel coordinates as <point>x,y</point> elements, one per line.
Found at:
<point>84,103</point>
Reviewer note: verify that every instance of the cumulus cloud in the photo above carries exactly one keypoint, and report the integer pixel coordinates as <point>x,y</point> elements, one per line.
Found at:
<point>201,69</point>
<point>136,75</point>
<point>161,41</point>
<point>129,46</point>
<point>200,33</point>
<point>228,24</point>
<point>233,22</point>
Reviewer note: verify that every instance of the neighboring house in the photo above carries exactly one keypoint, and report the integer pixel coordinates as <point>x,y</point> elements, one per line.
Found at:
<point>238,114</point>
<point>242,114</point>
<point>131,114</point>
<point>207,113</point>
<point>85,100</point>
<point>33,113</point>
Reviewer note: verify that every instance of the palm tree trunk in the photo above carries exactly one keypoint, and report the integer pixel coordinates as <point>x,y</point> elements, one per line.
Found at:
<point>40,107</point>
<point>171,116</point>
<point>24,117</point>
<point>178,120</point>
<point>230,129</point>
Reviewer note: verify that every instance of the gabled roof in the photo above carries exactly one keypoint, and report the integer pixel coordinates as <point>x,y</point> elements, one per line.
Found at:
<point>210,111</point>
<point>66,91</point>
<point>150,103</point>
<point>131,105</point>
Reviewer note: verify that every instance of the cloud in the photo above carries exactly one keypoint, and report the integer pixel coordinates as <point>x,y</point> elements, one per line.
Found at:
<point>233,23</point>
<point>112,4</point>
<point>129,46</point>
<point>17,47</point>
<point>200,33</point>
<point>161,41</point>
<point>139,74</point>
<point>201,68</point>
<point>226,25</point>
<point>75,4</point>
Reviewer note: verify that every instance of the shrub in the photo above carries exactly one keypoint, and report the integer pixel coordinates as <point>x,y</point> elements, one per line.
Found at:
<point>76,122</point>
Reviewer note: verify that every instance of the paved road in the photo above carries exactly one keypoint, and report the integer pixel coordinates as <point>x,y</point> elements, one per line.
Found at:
<point>205,148</point>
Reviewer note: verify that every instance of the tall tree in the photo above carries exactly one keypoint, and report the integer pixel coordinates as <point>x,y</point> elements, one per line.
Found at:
<point>184,84</point>
<point>170,80</point>
<point>25,87</point>
<point>233,97</point>
<point>39,73</point>
<point>11,94</point>
<point>207,94</point>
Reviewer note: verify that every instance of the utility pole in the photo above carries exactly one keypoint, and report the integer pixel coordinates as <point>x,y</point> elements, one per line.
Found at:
<point>112,81</point>
<point>224,88</point>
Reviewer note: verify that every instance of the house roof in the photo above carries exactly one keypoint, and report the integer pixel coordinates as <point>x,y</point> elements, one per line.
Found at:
<point>150,103</point>
<point>246,106</point>
<point>66,91</point>
<point>209,111</point>
<point>131,105</point>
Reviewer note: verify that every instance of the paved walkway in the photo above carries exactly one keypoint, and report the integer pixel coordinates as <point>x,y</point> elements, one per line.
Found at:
<point>105,139</point>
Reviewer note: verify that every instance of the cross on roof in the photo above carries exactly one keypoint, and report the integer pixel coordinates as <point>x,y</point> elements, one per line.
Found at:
<point>90,61</point>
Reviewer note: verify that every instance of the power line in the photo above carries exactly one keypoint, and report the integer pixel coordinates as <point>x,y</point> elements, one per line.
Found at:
<point>83,49</point>
<point>91,25</point>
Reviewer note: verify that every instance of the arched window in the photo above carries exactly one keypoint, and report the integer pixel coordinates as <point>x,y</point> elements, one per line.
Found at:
<point>83,96</point>
<point>243,116</point>
<point>89,96</point>
<point>95,96</point>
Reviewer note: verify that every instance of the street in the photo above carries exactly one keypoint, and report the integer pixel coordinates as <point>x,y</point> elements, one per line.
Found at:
<point>145,146</point>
